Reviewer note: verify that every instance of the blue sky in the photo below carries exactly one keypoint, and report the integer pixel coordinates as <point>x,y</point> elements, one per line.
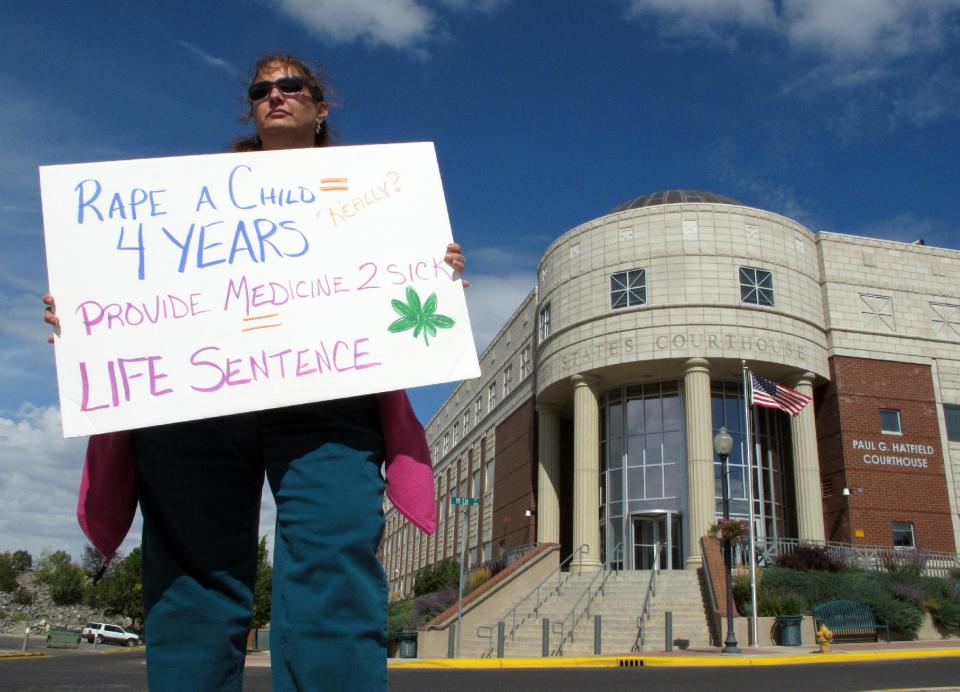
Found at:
<point>841,114</point>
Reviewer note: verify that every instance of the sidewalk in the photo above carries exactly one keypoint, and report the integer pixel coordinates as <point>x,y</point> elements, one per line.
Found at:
<point>711,656</point>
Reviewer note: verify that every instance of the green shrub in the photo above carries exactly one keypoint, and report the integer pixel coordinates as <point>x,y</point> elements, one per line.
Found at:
<point>865,587</point>
<point>436,577</point>
<point>807,557</point>
<point>398,616</point>
<point>741,593</point>
<point>775,604</point>
<point>23,596</point>
<point>943,603</point>
<point>476,578</point>
<point>66,584</point>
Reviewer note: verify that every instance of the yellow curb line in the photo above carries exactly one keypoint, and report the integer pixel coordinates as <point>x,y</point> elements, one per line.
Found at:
<point>32,654</point>
<point>672,661</point>
<point>124,650</point>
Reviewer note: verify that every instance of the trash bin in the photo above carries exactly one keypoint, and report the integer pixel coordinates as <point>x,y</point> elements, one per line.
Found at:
<point>408,645</point>
<point>63,639</point>
<point>788,630</point>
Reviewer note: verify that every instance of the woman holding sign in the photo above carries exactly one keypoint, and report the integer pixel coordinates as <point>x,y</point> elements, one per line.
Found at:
<point>199,484</point>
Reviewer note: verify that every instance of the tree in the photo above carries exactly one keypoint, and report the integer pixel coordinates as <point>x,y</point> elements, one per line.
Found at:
<point>49,562</point>
<point>262,589</point>
<point>66,584</point>
<point>120,591</point>
<point>92,562</point>
<point>22,561</point>
<point>8,574</point>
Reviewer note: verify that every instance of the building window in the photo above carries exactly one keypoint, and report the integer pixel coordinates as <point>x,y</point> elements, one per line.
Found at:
<point>877,312</point>
<point>890,421</point>
<point>544,322</point>
<point>756,286</point>
<point>628,288</point>
<point>443,501</point>
<point>946,320</point>
<point>456,433</point>
<point>507,380</point>
<point>951,414</point>
<point>524,361</point>
<point>446,443</point>
<point>488,551</point>
<point>488,481</point>
<point>475,484</point>
<point>477,410</point>
<point>466,423</point>
<point>903,534</point>
<point>491,397</point>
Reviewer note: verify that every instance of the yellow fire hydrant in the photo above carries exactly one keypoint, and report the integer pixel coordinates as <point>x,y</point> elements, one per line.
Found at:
<point>825,639</point>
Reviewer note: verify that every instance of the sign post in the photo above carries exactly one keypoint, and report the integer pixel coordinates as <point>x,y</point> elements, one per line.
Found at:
<point>465,503</point>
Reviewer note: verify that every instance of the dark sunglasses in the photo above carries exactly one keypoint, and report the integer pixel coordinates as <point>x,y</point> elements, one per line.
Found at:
<point>287,85</point>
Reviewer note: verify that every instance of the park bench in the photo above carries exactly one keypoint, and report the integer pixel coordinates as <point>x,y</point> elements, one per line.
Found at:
<point>849,621</point>
<point>63,639</point>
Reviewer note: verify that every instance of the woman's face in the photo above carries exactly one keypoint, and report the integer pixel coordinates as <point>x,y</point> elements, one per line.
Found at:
<point>285,121</point>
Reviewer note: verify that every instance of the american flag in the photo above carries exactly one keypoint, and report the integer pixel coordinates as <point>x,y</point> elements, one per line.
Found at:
<point>768,393</point>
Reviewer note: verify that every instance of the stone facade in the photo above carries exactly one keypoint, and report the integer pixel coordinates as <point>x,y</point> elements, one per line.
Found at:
<point>678,296</point>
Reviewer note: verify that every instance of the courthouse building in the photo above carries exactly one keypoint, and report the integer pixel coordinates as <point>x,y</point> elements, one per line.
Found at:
<point>593,421</point>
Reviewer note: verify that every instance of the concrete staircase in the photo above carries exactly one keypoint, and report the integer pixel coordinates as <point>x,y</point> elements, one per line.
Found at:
<point>619,607</point>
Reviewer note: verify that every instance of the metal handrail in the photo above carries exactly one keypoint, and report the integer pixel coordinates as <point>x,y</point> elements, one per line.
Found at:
<point>561,627</point>
<point>870,557</point>
<point>538,590</point>
<point>488,635</point>
<point>648,600</point>
<point>712,595</point>
<point>506,559</point>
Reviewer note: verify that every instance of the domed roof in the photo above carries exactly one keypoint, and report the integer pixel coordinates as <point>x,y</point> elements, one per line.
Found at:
<point>675,197</point>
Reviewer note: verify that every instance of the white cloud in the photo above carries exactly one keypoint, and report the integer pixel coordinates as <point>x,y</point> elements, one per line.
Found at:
<point>491,299</point>
<point>401,24</point>
<point>702,17</point>
<point>209,59</point>
<point>848,32</point>
<point>39,482</point>
<point>866,30</point>
<point>395,23</point>
<point>936,97</point>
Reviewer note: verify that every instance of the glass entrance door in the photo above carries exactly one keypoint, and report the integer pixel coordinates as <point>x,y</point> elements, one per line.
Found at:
<point>647,533</point>
<point>650,529</point>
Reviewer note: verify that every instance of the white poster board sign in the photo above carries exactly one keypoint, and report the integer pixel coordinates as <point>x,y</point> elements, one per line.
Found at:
<point>198,286</point>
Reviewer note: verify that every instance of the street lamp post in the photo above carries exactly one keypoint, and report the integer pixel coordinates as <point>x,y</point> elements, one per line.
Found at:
<point>722,445</point>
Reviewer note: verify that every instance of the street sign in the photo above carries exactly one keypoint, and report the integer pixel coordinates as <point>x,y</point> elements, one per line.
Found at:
<point>458,500</point>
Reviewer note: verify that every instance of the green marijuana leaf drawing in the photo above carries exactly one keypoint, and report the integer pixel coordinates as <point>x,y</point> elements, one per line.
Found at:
<point>420,318</point>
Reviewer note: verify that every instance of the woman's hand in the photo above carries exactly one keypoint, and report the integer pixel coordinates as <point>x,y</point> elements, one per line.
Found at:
<point>50,316</point>
<point>457,262</point>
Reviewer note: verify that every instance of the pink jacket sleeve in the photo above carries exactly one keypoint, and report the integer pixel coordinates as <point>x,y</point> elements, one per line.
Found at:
<point>108,487</point>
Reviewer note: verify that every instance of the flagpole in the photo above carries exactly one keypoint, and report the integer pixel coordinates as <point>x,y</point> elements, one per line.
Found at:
<point>748,437</point>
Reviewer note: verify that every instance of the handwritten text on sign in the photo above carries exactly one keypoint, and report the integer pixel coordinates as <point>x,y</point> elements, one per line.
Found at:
<point>199,286</point>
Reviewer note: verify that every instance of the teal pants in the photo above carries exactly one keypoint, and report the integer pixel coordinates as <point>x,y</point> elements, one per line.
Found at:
<point>200,484</point>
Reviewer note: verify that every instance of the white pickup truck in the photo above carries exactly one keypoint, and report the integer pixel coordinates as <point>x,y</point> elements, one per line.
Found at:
<point>100,632</point>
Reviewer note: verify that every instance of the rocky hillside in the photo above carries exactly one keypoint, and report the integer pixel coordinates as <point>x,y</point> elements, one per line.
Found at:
<point>30,604</point>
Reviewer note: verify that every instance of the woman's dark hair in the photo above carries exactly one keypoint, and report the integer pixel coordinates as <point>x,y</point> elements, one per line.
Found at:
<point>314,77</point>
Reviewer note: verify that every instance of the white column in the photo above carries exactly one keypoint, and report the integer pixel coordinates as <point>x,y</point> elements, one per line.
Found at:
<point>586,469</point>
<point>806,466</point>
<point>548,474</point>
<point>701,503</point>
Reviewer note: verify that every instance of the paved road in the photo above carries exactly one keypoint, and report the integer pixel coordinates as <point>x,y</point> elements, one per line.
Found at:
<point>885,675</point>
<point>95,671</point>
